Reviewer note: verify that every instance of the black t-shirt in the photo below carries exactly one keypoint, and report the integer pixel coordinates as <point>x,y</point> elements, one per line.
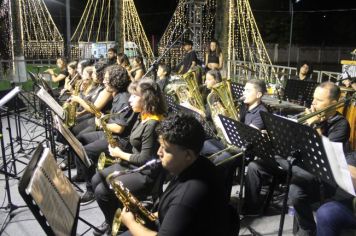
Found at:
<point>194,202</point>
<point>337,129</point>
<point>62,82</point>
<point>253,116</point>
<point>188,60</point>
<point>162,83</point>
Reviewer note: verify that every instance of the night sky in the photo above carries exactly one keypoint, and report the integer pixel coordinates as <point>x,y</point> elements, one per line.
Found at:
<point>316,22</point>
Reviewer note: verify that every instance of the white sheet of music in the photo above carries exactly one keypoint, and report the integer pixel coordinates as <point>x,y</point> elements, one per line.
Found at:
<point>49,100</point>
<point>10,95</point>
<point>338,164</point>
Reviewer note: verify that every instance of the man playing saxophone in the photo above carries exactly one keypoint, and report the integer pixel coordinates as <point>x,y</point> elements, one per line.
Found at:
<point>194,201</point>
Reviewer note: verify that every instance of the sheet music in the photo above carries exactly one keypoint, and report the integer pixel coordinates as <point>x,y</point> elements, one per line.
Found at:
<point>49,100</point>
<point>339,167</point>
<point>9,95</point>
<point>73,141</point>
<point>54,195</point>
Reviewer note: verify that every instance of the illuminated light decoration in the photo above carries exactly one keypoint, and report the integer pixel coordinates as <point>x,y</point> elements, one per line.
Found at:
<point>245,42</point>
<point>134,34</point>
<point>196,16</point>
<point>6,36</point>
<point>96,26</point>
<point>41,38</point>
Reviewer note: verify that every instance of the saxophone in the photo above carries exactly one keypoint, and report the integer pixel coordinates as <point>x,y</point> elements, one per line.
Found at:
<point>105,160</point>
<point>93,109</point>
<point>70,108</point>
<point>142,215</point>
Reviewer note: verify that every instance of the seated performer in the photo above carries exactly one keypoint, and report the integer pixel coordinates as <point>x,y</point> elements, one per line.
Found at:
<point>120,126</point>
<point>102,100</point>
<point>63,73</point>
<point>304,188</point>
<point>304,71</point>
<point>163,74</point>
<point>146,98</point>
<point>138,68</point>
<point>249,111</point>
<point>335,216</point>
<point>193,203</point>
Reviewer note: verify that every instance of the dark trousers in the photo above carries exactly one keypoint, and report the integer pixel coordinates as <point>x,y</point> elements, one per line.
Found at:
<point>333,217</point>
<point>137,183</point>
<point>94,144</point>
<point>304,188</point>
<point>84,126</point>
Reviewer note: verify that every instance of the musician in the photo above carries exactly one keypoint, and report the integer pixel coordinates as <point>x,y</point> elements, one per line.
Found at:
<point>350,83</point>
<point>138,68</point>
<point>193,203</point>
<point>163,74</point>
<point>304,71</point>
<point>95,142</point>
<point>249,111</point>
<point>335,216</point>
<point>82,65</point>
<point>71,80</point>
<point>101,99</point>
<point>123,61</point>
<point>190,59</point>
<point>146,98</point>
<point>63,73</point>
<point>112,53</point>
<point>214,57</point>
<point>304,188</point>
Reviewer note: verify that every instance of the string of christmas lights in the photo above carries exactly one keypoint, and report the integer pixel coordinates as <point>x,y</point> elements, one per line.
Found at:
<point>245,42</point>
<point>41,38</point>
<point>97,26</point>
<point>199,16</point>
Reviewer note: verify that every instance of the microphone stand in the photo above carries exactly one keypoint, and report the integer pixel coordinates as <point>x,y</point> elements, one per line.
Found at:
<point>155,62</point>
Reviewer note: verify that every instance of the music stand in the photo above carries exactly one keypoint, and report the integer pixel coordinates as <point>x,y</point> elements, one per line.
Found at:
<point>236,90</point>
<point>300,90</point>
<point>251,140</point>
<point>171,105</point>
<point>50,196</point>
<point>300,145</point>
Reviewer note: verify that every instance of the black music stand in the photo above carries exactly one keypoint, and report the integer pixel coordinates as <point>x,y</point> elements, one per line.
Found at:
<point>251,140</point>
<point>300,91</point>
<point>300,145</point>
<point>236,90</point>
<point>48,194</point>
<point>171,104</point>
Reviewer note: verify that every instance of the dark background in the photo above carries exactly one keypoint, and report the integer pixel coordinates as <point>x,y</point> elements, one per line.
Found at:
<point>316,22</point>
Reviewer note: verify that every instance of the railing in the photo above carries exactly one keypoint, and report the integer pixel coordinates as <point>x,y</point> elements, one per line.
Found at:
<point>239,71</point>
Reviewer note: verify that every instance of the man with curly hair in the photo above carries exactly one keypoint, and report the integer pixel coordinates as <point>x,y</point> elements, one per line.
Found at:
<point>194,202</point>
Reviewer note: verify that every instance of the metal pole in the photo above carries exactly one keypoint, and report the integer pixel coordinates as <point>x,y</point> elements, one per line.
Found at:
<point>68,29</point>
<point>291,30</point>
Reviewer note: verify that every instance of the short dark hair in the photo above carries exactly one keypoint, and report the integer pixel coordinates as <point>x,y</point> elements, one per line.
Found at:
<point>112,50</point>
<point>334,90</point>
<point>188,42</point>
<point>63,59</point>
<point>73,65</point>
<point>152,97</point>
<point>259,84</point>
<point>118,78</point>
<point>183,130</point>
<point>216,74</point>
<point>122,58</point>
<point>165,68</point>
<point>100,69</point>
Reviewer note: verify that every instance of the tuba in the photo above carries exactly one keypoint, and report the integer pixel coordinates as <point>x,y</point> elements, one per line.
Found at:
<point>221,102</point>
<point>188,91</point>
<point>105,160</point>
